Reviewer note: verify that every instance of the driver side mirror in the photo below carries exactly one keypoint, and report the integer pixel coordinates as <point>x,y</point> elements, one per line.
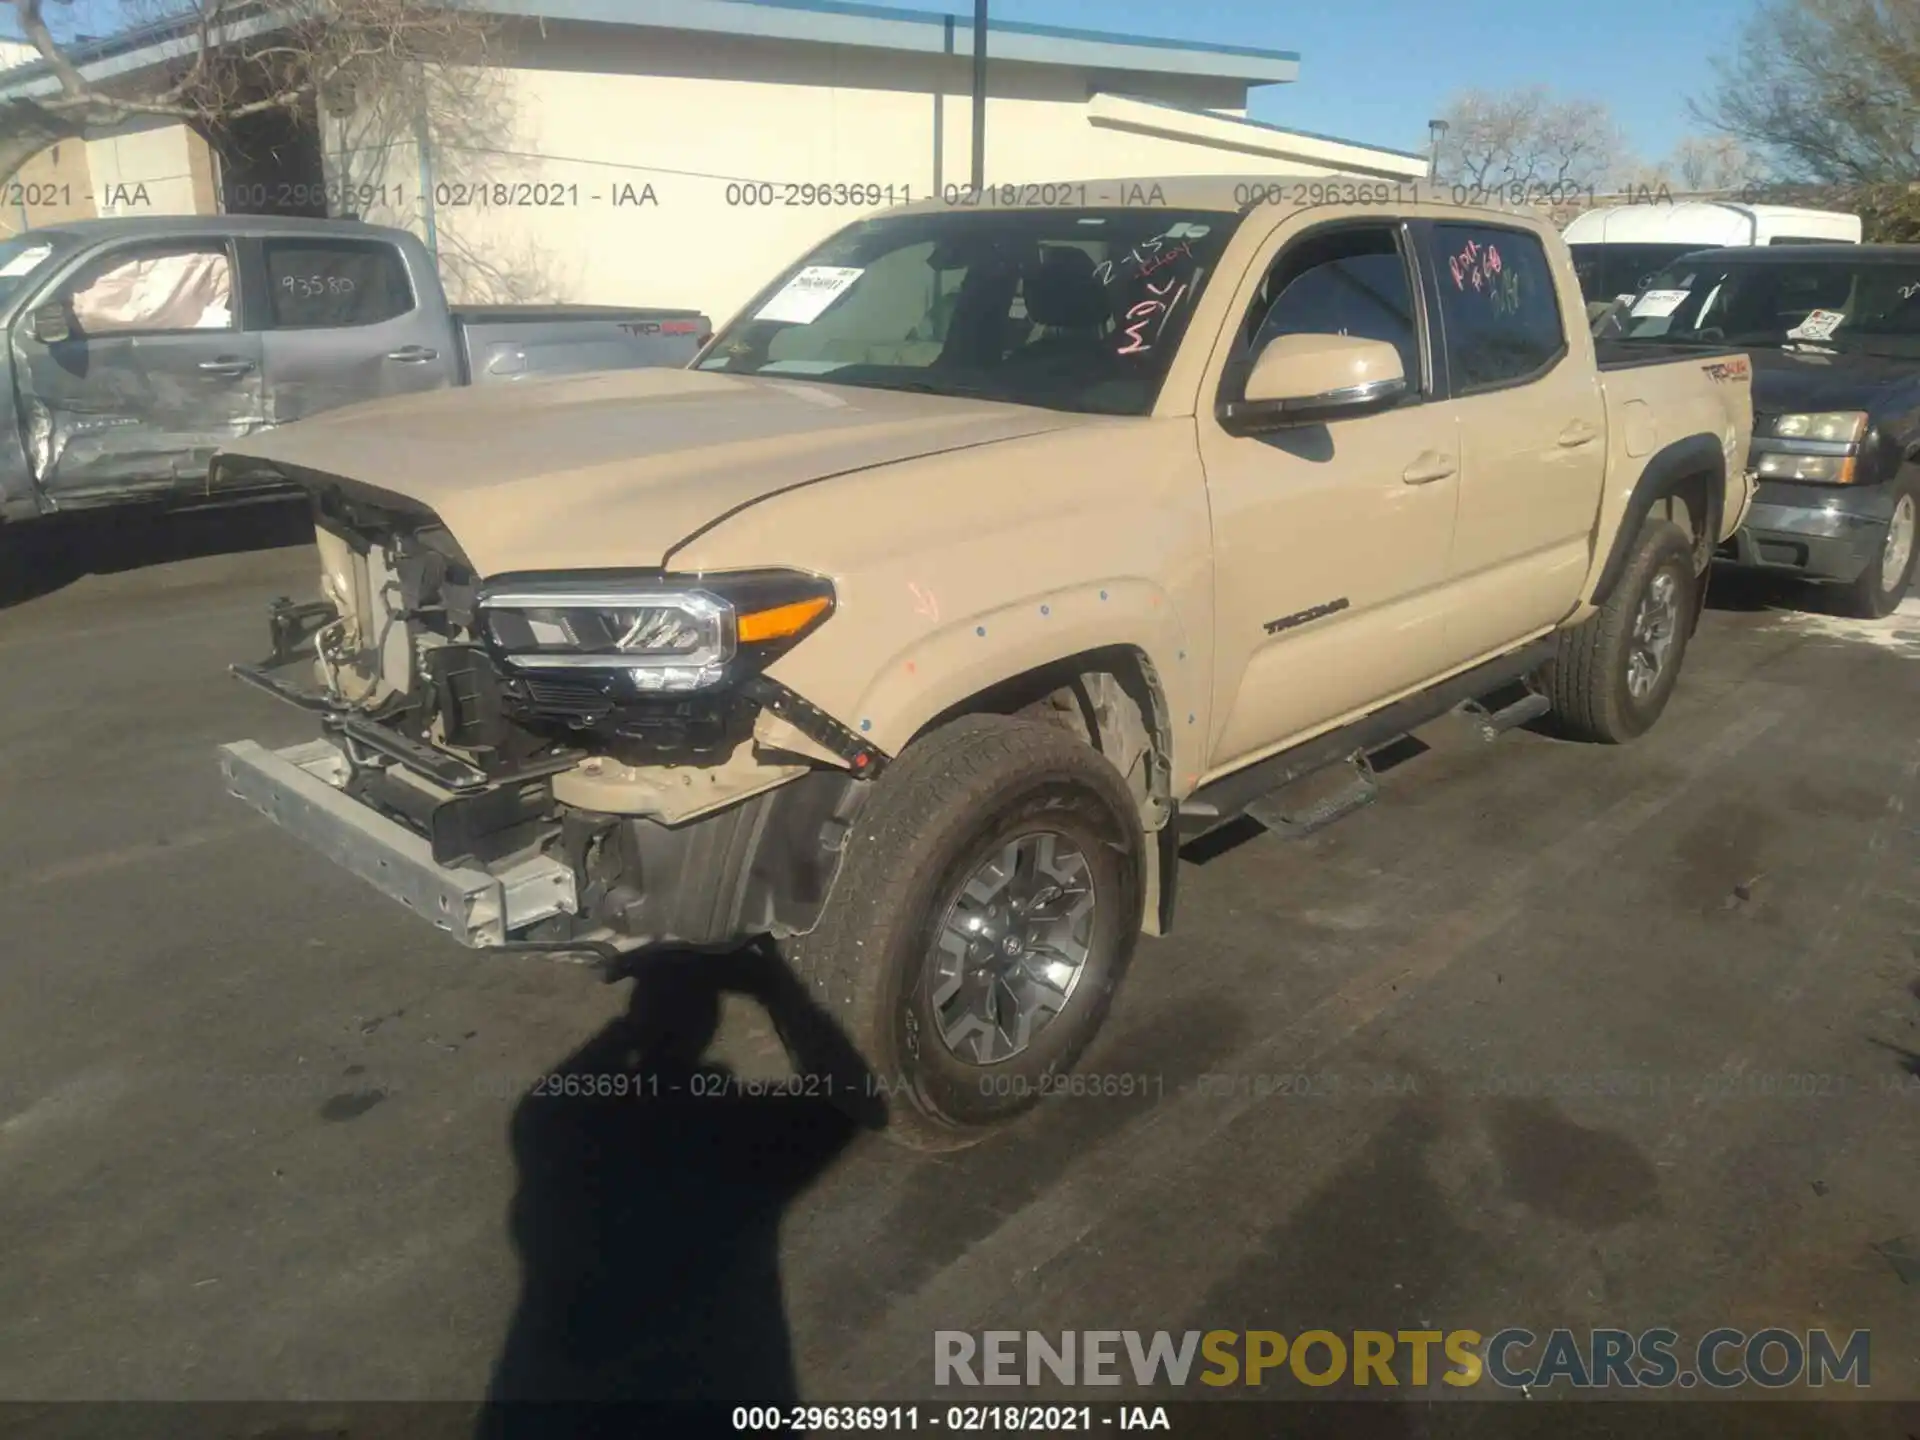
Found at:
<point>50,325</point>
<point>1311,379</point>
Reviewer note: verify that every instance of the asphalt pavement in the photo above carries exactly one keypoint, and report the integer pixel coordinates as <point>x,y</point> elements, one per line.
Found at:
<point>1552,1035</point>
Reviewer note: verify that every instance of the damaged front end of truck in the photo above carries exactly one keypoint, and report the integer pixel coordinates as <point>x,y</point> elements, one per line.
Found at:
<point>588,763</point>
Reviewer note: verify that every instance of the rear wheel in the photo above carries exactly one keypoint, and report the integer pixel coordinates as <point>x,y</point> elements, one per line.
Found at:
<point>985,912</point>
<point>1615,671</point>
<point>1880,590</point>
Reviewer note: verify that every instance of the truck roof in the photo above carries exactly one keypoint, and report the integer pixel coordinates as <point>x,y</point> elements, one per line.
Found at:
<point>1229,193</point>
<point>1705,222</point>
<point>162,227</point>
<point>1796,254</point>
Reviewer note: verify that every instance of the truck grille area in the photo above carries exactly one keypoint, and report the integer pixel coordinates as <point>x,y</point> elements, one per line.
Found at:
<point>568,696</point>
<point>414,596</point>
<point>682,729</point>
<point>485,707</point>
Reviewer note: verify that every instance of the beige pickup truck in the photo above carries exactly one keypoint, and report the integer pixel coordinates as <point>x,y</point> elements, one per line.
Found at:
<point>988,554</point>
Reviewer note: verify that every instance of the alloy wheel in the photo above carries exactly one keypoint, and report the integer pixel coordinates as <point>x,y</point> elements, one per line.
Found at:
<point>1899,546</point>
<point>1012,946</point>
<point>1655,624</point>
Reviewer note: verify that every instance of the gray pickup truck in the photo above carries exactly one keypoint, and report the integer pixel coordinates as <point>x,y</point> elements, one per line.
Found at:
<point>135,348</point>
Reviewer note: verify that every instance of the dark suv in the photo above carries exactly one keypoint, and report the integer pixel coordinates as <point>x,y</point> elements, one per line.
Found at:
<point>1834,332</point>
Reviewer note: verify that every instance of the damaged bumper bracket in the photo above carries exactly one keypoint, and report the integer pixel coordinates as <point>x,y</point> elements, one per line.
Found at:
<point>482,909</point>
<point>864,760</point>
<point>263,676</point>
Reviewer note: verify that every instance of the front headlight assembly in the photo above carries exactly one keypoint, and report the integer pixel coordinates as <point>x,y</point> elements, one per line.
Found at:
<point>652,634</point>
<point>1835,426</point>
<point>1818,447</point>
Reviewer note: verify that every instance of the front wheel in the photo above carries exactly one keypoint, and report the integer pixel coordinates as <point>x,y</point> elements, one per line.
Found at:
<point>986,909</point>
<point>1879,591</point>
<point>1615,671</point>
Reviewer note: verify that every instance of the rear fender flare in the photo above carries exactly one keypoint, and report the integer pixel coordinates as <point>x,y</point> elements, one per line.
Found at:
<point>1669,470</point>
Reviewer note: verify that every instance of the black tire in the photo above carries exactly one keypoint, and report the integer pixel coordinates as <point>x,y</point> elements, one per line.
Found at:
<point>1876,595</point>
<point>946,803</point>
<point>1588,680</point>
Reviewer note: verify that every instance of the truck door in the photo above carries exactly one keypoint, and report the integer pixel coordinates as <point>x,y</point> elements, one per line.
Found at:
<point>156,370</point>
<point>1329,540</point>
<point>346,323</point>
<point>1533,447</point>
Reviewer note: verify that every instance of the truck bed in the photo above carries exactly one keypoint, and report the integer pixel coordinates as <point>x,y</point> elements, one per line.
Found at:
<point>1630,354</point>
<point>512,342</point>
<point>523,314</point>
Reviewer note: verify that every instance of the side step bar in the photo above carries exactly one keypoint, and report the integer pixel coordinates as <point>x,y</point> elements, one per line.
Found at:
<point>1231,795</point>
<point>1493,723</point>
<point>1316,800</point>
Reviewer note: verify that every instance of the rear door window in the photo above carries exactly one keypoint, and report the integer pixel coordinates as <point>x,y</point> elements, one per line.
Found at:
<point>1498,305</point>
<point>333,284</point>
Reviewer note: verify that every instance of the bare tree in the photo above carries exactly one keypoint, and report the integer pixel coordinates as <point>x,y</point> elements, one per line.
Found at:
<point>1635,178</point>
<point>1529,138</point>
<point>464,117</point>
<point>237,59</point>
<point>1716,162</point>
<point>1828,89</point>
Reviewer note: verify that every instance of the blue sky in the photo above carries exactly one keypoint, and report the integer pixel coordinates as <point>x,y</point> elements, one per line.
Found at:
<point>1377,70</point>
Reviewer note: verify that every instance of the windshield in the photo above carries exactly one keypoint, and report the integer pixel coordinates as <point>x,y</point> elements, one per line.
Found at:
<point>1065,309</point>
<point>21,256</point>
<point>1827,305</point>
<point>1609,271</point>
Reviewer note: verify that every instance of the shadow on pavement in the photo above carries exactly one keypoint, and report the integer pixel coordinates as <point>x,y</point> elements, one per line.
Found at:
<point>648,1211</point>
<point>1752,591</point>
<point>42,556</point>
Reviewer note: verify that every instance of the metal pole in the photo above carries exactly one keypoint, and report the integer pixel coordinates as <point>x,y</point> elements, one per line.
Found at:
<point>979,95</point>
<point>423,141</point>
<point>940,117</point>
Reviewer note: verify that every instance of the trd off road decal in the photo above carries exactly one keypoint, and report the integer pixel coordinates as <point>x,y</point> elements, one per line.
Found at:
<point>1736,371</point>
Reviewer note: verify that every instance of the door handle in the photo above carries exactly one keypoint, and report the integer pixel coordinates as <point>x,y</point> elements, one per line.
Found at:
<point>226,365</point>
<point>1578,433</point>
<point>1429,468</point>
<point>413,354</point>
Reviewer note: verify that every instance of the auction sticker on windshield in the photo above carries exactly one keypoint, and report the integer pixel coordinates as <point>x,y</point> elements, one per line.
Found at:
<point>1819,325</point>
<point>803,298</point>
<point>1658,304</point>
<point>24,261</point>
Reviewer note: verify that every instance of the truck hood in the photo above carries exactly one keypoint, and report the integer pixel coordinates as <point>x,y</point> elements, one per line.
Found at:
<point>1786,381</point>
<point>618,469</point>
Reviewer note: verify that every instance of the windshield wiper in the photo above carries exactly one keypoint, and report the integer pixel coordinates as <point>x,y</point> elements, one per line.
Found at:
<point>927,387</point>
<point>1676,340</point>
<point>1070,404</point>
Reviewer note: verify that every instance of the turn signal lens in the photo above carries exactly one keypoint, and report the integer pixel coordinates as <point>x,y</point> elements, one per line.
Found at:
<point>1819,469</point>
<point>782,620</point>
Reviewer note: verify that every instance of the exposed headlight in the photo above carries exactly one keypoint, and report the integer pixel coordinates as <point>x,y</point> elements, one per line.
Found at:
<point>661,633</point>
<point>1843,426</point>
<point>1819,469</point>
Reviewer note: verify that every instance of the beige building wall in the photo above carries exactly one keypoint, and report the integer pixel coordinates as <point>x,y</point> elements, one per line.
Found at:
<point>52,187</point>
<point>153,169</point>
<point>690,131</point>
